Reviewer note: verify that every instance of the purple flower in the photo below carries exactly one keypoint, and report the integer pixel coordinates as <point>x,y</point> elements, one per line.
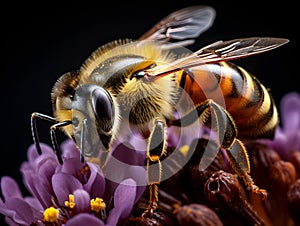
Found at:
<point>287,135</point>
<point>73,193</point>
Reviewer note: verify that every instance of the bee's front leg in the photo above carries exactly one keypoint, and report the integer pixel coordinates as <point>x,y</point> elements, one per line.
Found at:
<point>53,128</point>
<point>155,149</point>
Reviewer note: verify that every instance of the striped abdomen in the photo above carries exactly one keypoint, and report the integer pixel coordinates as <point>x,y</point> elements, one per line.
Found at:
<point>240,93</point>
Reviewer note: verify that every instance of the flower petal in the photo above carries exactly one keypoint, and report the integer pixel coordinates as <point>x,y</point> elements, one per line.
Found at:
<point>37,184</point>
<point>32,153</point>
<point>138,174</point>
<point>125,153</point>
<point>96,182</point>
<point>290,112</point>
<point>72,166</point>
<point>124,198</point>
<point>10,222</point>
<point>18,210</point>
<point>10,188</point>
<point>63,185</point>
<point>69,149</point>
<point>82,201</point>
<point>122,158</point>
<point>84,219</point>
<point>35,206</point>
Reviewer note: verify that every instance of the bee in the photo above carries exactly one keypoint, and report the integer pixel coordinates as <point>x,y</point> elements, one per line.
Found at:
<point>142,81</point>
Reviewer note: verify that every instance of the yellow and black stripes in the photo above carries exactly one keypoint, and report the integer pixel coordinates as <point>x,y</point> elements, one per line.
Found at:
<point>241,94</point>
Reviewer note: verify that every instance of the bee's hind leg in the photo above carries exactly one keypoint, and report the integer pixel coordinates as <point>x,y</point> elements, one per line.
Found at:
<point>224,125</point>
<point>238,159</point>
<point>155,149</point>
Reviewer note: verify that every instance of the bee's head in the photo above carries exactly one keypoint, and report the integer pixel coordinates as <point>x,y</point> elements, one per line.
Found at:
<point>89,106</point>
<point>94,118</point>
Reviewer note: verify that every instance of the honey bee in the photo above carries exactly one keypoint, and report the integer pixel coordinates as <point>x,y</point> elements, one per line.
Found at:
<point>142,80</point>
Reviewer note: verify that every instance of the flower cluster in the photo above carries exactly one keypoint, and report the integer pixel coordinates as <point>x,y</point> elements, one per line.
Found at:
<point>77,193</point>
<point>74,193</point>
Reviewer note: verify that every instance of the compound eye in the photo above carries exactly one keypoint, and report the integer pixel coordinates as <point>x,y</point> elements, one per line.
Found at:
<point>103,108</point>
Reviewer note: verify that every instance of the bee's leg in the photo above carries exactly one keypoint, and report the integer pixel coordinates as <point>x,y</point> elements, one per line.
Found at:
<point>54,139</point>
<point>236,152</point>
<point>35,136</point>
<point>239,161</point>
<point>155,149</point>
<point>224,125</point>
<point>82,137</point>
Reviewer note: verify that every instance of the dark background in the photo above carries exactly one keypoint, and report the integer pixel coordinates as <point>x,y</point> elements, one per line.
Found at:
<point>42,41</point>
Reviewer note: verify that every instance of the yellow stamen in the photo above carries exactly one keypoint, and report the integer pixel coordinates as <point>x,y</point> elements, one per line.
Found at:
<point>70,203</point>
<point>184,149</point>
<point>97,204</point>
<point>51,214</point>
<point>85,170</point>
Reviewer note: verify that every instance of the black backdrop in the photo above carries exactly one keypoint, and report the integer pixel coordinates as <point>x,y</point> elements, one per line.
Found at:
<point>40,42</point>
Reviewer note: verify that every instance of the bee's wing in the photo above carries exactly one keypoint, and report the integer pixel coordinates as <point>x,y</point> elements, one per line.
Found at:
<point>182,25</point>
<point>239,48</point>
<point>220,51</point>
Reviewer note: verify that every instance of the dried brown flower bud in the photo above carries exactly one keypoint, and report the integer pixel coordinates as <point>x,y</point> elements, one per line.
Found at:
<point>293,197</point>
<point>158,219</point>
<point>197,214</point>
<point>295,159</point>
<point>261,159</point>
<point>263,155</point>
<point>224,192</point>
<point>282,175</point>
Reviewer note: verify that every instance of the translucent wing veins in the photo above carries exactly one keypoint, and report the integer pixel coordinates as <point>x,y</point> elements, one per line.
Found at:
<point>183,24</point>
<point>220,51</point>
